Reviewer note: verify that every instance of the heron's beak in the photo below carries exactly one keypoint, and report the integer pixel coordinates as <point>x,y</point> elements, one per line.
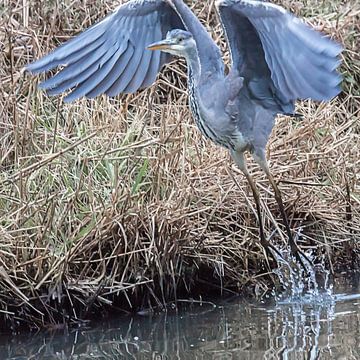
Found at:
<point>165,44</point>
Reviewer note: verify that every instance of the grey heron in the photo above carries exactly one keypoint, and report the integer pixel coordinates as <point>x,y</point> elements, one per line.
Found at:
<point>276,59</point>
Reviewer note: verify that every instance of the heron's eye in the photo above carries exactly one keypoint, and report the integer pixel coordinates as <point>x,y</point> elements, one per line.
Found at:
<point>181,39</point>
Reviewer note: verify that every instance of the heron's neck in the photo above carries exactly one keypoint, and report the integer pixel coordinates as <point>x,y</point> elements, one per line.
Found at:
<point>193,64</point>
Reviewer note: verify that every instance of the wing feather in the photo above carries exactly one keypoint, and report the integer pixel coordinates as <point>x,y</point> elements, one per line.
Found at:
<point>111,56</point>
<point>103,67</point>
<point>71,51</point>
<point>154,64</point>
<point>131,65</point>
<point>143,66</point>
<point>71,72</point>
<point>280,57</point>
<point>115,71</point>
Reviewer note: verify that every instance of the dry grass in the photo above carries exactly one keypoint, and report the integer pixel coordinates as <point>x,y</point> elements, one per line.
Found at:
<point>121,203</point>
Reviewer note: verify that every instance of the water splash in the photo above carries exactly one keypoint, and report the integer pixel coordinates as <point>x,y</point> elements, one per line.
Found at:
<point>305,308</point>
<point>313,286</point>
<point>304,298</point>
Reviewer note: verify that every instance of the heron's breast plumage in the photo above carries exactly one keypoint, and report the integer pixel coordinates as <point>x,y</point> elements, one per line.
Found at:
<point>194,103</point>
<point>201,117</point>
<point>220,127</point>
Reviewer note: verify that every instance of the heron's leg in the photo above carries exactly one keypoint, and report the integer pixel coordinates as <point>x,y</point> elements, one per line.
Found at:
<point>261,160</point>
<point>240,161</point>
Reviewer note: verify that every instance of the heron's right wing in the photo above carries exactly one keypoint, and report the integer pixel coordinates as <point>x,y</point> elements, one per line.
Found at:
<point>111,56</point>
<point>280,57</point>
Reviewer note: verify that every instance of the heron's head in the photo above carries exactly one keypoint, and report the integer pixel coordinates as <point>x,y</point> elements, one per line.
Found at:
<point>178,42</point>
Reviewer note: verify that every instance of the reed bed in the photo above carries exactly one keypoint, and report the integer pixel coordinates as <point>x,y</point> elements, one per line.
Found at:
<point>120,204</point>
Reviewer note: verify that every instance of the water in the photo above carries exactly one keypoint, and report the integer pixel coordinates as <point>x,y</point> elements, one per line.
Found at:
<point>306,317</point>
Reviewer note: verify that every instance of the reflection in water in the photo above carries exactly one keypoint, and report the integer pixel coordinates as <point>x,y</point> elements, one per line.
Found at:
<point>328,329</point>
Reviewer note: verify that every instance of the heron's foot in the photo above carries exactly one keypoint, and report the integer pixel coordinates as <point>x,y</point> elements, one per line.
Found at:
<point>276,251</point>
<point>300,256</point>
<point>271,251</point>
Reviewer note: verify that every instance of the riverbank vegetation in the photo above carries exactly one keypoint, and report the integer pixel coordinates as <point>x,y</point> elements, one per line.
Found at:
<point>120,204</point>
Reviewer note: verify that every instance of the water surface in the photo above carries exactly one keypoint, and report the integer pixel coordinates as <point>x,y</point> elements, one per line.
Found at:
<point>327,327</point>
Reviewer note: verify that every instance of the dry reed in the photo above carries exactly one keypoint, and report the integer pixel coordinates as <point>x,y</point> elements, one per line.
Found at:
<point>121,203</point>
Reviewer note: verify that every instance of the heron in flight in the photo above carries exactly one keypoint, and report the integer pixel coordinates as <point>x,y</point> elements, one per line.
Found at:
<point>276,59</point>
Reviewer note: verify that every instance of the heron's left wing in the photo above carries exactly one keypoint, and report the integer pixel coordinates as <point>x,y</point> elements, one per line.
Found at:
<point>111,56</point>
<point>277,54</point>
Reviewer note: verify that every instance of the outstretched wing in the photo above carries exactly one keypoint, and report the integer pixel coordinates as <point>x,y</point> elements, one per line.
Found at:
<point>281,58</point>
<point>111,56</point>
